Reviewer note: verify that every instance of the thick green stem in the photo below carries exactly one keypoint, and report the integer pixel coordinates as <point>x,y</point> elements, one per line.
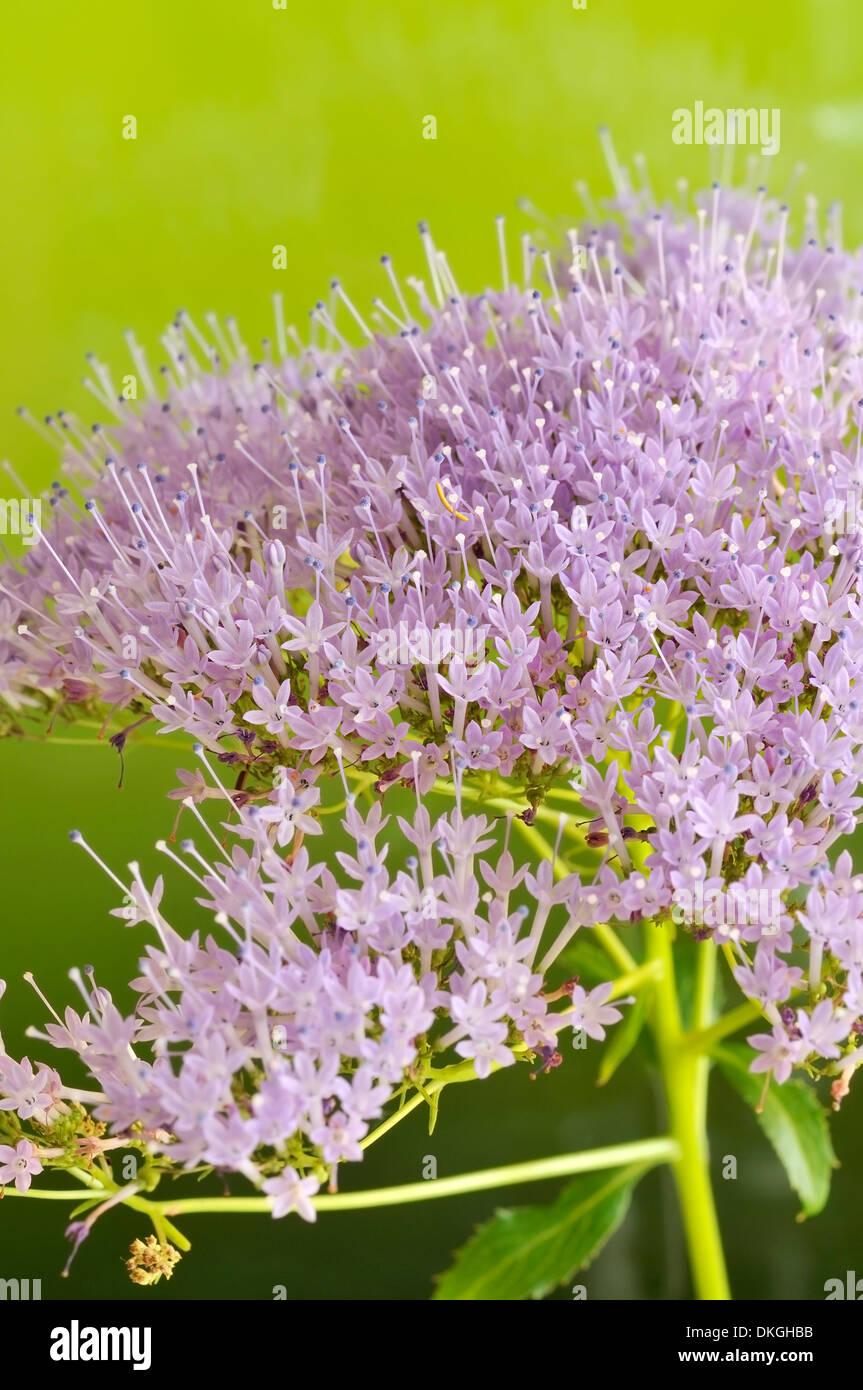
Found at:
<point>685,1076</point>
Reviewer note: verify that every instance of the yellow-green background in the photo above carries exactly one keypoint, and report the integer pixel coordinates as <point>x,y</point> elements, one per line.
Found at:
<point>303,127</point>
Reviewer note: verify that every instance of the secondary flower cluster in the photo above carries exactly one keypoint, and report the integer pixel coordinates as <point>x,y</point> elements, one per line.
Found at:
<point>614,492</point>
<point>253,1046</point>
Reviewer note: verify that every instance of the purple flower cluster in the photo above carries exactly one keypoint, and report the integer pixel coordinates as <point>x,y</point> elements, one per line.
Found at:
<point>615,492</point>
<point>287,1031</point>
<point>329,1029</point>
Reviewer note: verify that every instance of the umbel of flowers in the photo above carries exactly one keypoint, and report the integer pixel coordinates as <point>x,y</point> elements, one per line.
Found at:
<point>609,484</point>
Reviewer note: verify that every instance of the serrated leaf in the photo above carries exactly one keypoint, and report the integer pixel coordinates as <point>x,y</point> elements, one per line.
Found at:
<point>623,1038</point>
<point>527,1251</point>
<point>794,1122</point>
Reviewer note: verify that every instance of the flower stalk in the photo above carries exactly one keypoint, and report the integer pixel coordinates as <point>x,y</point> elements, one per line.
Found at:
<point>685,1079</point>
<point>640,1153</point>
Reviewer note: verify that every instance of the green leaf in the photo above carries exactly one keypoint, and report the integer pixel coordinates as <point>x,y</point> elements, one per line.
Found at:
<point>794,1122</point>
<point>623,1038</point>
<point>527,1251</point>
<point>83,1207</point>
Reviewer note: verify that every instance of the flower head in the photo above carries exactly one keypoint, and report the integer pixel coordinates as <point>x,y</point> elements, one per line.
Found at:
<point>624,480</point>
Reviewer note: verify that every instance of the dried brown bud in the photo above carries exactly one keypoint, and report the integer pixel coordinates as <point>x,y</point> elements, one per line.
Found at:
<point>150,1260</point>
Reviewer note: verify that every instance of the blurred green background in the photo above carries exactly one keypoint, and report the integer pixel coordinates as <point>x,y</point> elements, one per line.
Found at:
<point>303,127</point>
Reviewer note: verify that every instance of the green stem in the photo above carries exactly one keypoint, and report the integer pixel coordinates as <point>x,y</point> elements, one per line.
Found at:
<point>704,1038</point>
<point>646,1152</point>
<point>459,1071</point>
<point>613,946</point>
<point>634,979</point>
<point>705,984</point>
<point>43,1194</point>
<point>642,1152</point>
<point>464,1071</point>
<point>541,813</point>
<point>611,942</point>
<point>685,1076</point>
<point>606,935</point>
<point>100,1191</point>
